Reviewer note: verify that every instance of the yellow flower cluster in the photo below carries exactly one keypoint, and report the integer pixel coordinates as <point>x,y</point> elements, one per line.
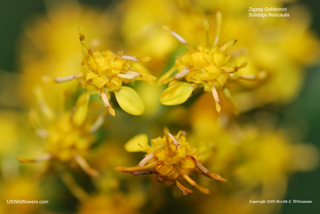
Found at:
<point>207,66</point>
<point>171,158</point>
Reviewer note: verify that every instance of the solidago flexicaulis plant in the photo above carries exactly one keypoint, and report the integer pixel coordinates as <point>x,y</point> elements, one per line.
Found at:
<point>105,72</point>
<point>67,136</point>
<point>170,158</point>
<point>208,66</point>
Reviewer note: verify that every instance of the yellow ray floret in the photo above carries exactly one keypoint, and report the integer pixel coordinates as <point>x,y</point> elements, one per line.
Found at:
<point>207,66</point>
<point>105,72</point>
<point>170,158</point>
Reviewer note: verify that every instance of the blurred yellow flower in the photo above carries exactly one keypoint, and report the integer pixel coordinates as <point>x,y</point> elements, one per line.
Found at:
<point>67,136</point>
<point>20,188</point>
<point>108,204</point>
<point>170,158</point>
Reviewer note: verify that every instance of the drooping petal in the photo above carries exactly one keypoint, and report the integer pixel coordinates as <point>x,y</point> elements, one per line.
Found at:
<point>129,101</point>
<point>137,144</point>
<point>165,78</point>
<point>81,109</point>
<point>176,94</point>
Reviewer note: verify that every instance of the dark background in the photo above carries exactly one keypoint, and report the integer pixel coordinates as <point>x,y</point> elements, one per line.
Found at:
<point>302,186</point>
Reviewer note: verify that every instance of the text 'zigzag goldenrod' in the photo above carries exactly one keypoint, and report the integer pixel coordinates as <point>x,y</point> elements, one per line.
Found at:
<point>170,158</point>
<point>105,72</point>
<point>207,66</point>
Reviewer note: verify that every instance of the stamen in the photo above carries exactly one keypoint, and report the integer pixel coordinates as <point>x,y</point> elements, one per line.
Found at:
<point>216,98</point>
<point>131,58</point>
<point>107,104</point>
<point>61,79</point>
<point>243,77</point>
<point>74,188</point>
<point>35,160</point>
<point>85,166</point>
<point>86,50</point>
<point>146,159</point>
<point>67,78</point>
<point>206,29</point>
<point>219,20</point>
<point>173,139</point>
<point>234,105</point>
<point>177,36</point>
<point>181,74</point>
<point>205,171</point>
<point>46,110</point>
<point>135,168</point>
<point>228,45</point>
<point>97,124</point>
<point>129,75</point>
<point>139,173</point>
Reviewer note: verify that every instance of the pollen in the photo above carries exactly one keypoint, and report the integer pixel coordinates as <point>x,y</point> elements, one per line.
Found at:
<point>208,66</point>
<point>171,159</point>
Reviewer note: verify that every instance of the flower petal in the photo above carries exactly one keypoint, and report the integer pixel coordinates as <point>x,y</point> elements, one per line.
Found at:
<point>130,101</point>
<point>137,144</point>
<point>176,94</point>
<point>81,111</point>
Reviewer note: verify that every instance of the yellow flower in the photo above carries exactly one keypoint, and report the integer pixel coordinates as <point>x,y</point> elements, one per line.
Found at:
<point>170,158</point>
<point>67,136</point>
<point>207,66</point>
<point>105,72</point>
<point>49,46</point>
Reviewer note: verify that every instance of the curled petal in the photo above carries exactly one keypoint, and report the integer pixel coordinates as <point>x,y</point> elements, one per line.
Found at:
<point>85,166</point>
<point>193,183</point>
<point>135,168</point>
<point>176,94</point>
<point>165,78</point>
<point>205,171</point>
<point>129,101</point>
<point>184,189</point>
<point>137,144</point>
<point>228,45</point>
<point>35,160</point>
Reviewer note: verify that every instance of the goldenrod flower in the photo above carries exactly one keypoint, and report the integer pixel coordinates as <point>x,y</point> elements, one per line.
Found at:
<point>48,46</point>
<point>105,72</point>
<point>68,136</point>
<point>170,158</point>
<point>207,66</point>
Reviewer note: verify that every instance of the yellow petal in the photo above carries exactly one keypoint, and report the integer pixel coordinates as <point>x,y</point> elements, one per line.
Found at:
<point>137,144</point>
<point>80,114</point>
<point>130,101</point>
<point>176,94</point>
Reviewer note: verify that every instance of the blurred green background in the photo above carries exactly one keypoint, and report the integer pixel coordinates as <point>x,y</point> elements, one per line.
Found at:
<point>303,112</point>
